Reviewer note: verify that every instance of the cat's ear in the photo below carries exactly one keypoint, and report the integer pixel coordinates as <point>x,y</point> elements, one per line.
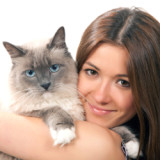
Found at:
<point>58,39</point>
<point>13,50</point>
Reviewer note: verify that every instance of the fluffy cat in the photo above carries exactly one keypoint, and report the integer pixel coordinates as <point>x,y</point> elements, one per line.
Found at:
<point>43,83</point>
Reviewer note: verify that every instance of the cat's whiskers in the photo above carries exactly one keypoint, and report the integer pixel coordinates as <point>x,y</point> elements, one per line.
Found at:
<point>18,92</point>
<point>22,91</point>
<point>24,95</point>
<point>23,100</point>
<point>68,87</point>
<point>83,97</point>
<point>19,99</point>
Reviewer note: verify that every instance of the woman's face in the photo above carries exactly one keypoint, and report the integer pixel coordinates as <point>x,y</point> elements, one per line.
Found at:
<point>103,81</point>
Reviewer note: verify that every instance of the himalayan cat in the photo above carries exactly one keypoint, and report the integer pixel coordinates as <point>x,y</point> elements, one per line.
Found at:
<point>43,83</point>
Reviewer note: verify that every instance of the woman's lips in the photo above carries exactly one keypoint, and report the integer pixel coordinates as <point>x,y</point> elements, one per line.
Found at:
<point>100,111</point>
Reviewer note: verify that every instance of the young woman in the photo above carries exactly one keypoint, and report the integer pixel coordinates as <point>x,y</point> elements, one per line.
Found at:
<point>119,73</point>
<point>138,33</point>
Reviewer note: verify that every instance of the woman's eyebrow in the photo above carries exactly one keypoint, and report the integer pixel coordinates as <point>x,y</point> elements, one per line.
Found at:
<point>92,65</point>
<point>122,75</point>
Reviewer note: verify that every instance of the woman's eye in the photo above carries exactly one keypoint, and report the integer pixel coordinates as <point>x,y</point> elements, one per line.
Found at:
<point>54,68</point>
<point>124,83</point>
<point>30,73</point>
<point>91,72</point>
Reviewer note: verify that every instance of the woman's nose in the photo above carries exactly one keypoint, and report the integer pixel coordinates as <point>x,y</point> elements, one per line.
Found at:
<point>101,94</point>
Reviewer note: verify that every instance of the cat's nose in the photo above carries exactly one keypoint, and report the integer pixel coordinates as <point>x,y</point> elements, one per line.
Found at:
<point>46,85</point>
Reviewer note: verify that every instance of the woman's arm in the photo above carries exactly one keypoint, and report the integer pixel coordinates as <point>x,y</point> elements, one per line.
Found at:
<point>29,138</point>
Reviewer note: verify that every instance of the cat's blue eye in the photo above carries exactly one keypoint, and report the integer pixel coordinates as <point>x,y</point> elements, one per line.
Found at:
<point>54,68</point>
<point>30,73</point>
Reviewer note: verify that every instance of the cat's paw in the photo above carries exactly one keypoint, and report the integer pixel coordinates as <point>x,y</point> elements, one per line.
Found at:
<point>62,136</point>
<point>132,148</point>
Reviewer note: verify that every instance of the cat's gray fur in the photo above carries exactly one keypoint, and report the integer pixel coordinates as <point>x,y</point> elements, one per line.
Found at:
<point>52,92</point>
<point>38,89</point>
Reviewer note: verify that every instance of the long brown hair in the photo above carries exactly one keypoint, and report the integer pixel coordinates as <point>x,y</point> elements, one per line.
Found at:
<point>139,33</point>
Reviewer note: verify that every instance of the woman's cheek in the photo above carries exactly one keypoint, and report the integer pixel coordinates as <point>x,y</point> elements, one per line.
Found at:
<point>82,86</point>
<point>125,100</point>
<point>81,82</point>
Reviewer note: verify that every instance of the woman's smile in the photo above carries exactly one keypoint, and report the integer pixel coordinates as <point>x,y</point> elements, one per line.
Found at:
<point>100,111</point>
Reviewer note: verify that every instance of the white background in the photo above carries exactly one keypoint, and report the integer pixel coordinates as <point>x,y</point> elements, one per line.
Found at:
<point>25,20</point>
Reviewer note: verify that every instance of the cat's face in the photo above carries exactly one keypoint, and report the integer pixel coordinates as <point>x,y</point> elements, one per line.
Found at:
<point>41,69</point>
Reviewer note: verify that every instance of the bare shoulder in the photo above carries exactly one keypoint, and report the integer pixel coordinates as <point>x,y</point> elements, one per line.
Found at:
<point>98,143</point>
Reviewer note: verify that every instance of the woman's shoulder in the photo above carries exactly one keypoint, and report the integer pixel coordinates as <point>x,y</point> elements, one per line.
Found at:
<point>98,142</point>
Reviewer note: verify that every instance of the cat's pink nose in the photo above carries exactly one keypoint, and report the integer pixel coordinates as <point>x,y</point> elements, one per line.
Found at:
<point>46,85</point>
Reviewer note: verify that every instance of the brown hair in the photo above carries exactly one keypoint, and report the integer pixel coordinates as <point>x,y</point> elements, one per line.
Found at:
<point>139,33</point>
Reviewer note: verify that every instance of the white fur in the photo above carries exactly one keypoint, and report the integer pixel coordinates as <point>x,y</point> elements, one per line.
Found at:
<point>63,136</point>
<point>132,148</point>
